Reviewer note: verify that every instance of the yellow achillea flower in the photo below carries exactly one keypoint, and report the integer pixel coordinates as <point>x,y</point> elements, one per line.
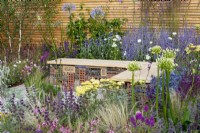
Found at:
<point>192,48</point>
<point>94,85</point>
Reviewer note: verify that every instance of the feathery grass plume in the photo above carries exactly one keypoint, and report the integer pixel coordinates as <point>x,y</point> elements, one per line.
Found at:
<point>113,116</point>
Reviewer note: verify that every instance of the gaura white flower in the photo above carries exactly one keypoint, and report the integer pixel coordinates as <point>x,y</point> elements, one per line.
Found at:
<point>105,39</point>
<point>148,57</point>
<point>38,17</point>
<point>150,42</point>
<point>19,62</point>
<point>114,45</point>
<point>149,49</point>
<point>174,33</point>
<point>120,42</point>
<point>139,40</point>
<point>177,50</point>
<point>169,38</point>
<point>125,53</point>
<point>118,37</point>
<point>35,65</point>
<point>15,65</point>
<point>115,39</point>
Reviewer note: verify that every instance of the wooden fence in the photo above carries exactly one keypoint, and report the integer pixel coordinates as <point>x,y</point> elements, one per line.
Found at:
<point>158,12</point>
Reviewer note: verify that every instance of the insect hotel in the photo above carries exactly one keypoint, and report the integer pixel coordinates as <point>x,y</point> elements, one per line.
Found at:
<point>73,72</point>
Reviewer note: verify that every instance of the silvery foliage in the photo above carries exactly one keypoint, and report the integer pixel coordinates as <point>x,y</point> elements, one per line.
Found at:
<point>4,72</point>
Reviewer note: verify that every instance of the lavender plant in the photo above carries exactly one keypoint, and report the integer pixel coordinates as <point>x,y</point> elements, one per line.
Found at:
<point>137,41</point>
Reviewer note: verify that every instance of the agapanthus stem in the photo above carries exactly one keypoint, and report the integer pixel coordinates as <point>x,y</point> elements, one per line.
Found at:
<point>157,90</point>
<point>133,91</point>
<point>168,94</point>
<point>163,96</point>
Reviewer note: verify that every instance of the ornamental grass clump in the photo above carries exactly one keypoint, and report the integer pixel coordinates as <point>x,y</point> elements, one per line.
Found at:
<point>133,66</point>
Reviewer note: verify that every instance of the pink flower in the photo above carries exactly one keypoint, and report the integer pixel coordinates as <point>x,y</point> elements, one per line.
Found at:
<point>44,124</point>
<point>35,111</point>
<point>38,127</point>
<point>43,110</point>
<point>64,130</point>
<point>111,131</point>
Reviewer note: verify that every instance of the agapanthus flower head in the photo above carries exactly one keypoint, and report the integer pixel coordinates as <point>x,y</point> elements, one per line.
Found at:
<point>97,13</point>
<point>155,49</point>
<point>70,7</point>
<point>166,64</point>
<point>169,53</point>
<point>134,66</point>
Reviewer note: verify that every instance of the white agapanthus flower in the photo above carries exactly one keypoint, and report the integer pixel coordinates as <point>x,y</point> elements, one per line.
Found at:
<point>115,39</point>
<point>169,38</point>
<point>118,37</point>
<point>150,42</point>
<point>114,45</point>
<point>139,40</point>
<point>148,57</point>
<point>174,33</point>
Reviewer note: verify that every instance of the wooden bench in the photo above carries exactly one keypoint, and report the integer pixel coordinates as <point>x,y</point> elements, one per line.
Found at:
<point>114,69</point>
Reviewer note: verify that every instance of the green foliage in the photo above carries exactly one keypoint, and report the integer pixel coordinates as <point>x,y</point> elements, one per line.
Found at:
<point>16,75</point>
<point>4,73</point>
<point>42,87</point>
<point>88,35</point>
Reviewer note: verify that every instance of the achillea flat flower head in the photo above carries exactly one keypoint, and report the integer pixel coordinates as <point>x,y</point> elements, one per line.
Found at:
<point>191,48</point>
<point>169,53</point>
<point>156,49</point>
<point>97,13</point>
<point>134,66</point>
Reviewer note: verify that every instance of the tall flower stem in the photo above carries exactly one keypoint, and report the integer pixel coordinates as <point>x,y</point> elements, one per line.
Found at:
<point>163,96</point>
<point>168,100</point>
<point>157,90</point>
<point>133,90</point>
